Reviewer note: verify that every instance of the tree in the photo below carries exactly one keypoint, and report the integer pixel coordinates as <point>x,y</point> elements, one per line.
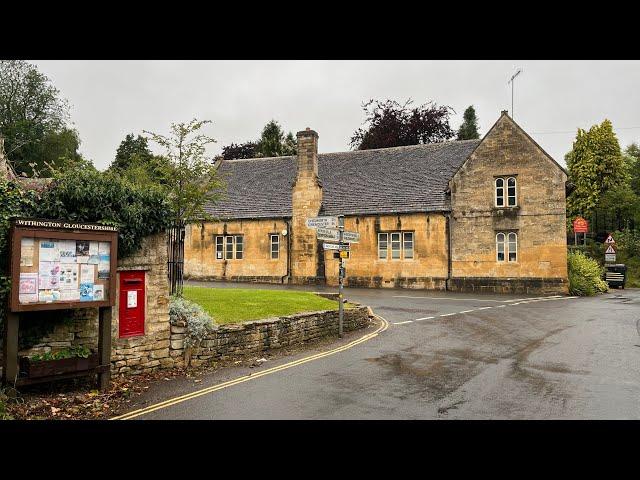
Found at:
<point>33,118</point>
<point>595,165</point>
<point>632,156</point>
<point>191,184</point>
<point>389,124</point>
<point>190,178</point>
<point>469,128</point>
<point>129,148</point>
<point>241,150</point>
<point>272,143</point>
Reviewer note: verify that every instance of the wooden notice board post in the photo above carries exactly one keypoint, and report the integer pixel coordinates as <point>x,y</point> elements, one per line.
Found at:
<point>58,264</point>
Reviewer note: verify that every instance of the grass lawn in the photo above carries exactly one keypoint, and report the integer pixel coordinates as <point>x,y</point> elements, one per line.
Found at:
<point>232,305</point>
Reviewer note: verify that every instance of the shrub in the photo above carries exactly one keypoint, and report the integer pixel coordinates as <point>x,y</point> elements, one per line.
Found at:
<point>585,275</point>
<point>197,321</point>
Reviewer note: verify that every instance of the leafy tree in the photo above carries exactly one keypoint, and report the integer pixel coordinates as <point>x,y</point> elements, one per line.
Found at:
<point>33,119</point>
<point>632,153</point>
<point>241,150</point>
<point>129,148</point>
<point>389,124</point>
<point>620,207</point>
<point>469,128</point>
<point>191,179</point>
<point>595,165</point>
<point>135,162</point>
<point>273,142</point>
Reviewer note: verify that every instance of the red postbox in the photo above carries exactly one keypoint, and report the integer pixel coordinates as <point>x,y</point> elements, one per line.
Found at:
<point>132,303</point>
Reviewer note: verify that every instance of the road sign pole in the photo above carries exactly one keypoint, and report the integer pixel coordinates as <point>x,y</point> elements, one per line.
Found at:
<point>340,277</point>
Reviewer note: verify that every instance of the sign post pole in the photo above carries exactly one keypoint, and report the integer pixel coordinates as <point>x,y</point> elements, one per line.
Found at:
<point>340,277</point>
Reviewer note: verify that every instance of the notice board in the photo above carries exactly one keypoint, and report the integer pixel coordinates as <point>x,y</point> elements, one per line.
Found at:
<point>58,264</point>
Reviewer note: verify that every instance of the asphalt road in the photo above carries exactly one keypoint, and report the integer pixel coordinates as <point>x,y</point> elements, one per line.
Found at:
<point>453,356</point>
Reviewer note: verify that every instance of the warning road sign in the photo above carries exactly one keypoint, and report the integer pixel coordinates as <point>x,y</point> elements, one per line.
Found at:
<point>609,239</point>
<point>610,249</point>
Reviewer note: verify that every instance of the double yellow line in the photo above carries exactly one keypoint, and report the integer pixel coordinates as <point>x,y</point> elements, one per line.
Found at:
<point>246,378</point>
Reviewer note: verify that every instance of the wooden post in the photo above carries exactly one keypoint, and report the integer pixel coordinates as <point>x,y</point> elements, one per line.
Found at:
<point>104,347</point>
<point>10,349</point>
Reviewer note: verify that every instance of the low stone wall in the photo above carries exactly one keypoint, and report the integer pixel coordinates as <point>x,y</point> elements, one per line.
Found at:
<point>250,338</point>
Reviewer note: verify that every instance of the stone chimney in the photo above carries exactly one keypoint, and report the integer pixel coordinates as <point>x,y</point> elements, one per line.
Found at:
<point>307,154</point>
<point>306,201</point>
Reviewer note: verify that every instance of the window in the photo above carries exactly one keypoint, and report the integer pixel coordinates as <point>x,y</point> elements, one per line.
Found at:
<point>402,245</point>
<point>239,247</point>
<point>275,246</point>
<point>511,193</point>
<point>219,248</point>
<point>500,246</point>
<point>513,247</point>
<point>227,245</point>
<point>499,192</point>
<point>407,246</point>
<point>228,248</point>
<point>383,238</point>
<point>507,247</point>
<point>395,246</point>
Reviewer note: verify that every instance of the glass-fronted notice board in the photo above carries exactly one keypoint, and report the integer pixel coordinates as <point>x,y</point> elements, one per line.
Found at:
<point>58,264</point>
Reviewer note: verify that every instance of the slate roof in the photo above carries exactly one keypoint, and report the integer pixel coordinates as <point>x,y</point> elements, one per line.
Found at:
<point>388,180</point>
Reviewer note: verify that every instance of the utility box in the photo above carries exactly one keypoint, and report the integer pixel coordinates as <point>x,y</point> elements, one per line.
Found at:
<point>131,312</point>
<point>616,275</point>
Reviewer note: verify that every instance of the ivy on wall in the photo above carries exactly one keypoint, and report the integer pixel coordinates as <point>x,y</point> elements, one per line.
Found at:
<point>84,195</point>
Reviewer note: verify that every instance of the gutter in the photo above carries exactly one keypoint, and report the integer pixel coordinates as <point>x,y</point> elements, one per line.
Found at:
<point>288,275</point>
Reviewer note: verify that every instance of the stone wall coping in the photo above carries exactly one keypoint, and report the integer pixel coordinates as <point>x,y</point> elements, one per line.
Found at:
<point>231,327</point>
<point>126,268</point>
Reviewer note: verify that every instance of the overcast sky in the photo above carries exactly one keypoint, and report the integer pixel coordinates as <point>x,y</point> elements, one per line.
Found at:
<point>112,98</point>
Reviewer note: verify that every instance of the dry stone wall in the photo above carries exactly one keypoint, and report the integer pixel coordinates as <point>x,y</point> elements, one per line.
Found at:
<point>250,338</point>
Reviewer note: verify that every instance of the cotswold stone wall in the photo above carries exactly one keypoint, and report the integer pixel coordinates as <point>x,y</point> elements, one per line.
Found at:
<point>250,338</point>
<point>128,355</point>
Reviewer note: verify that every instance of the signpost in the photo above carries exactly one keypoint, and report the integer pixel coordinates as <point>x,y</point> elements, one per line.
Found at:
<point>325,230</point>
<point>580,225</point>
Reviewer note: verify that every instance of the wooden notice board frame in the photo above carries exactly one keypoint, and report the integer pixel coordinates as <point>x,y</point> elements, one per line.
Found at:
<point>27,228</point>
<point>58,230</point>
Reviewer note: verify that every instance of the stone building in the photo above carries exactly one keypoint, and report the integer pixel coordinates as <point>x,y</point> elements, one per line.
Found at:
<point>473,215</point>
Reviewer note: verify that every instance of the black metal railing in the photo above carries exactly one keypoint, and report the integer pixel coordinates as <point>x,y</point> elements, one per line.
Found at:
<point>175,264</point>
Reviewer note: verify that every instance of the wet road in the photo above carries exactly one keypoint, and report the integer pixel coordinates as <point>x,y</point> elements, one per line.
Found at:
<point>454,356</point>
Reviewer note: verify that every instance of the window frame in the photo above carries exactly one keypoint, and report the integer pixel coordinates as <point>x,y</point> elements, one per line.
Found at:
<point>219,248</point>
<point>504,247</point>
<point>515,242</point>
<point>515,192</point>
<point>235,247</point>
<point>495,192</point>
<point>271,245</point>
<point>386,246</point>
<point>399,242</point>
<point>404,242</point>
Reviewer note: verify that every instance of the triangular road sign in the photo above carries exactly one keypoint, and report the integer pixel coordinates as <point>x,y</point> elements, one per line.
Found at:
<point>610,249</point>
<point>609,239</point>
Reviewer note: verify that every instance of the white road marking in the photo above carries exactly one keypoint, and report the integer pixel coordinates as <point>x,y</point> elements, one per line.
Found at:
<point>501,306</point>
<point>447,314</point>
<point>467,311</point>
<point>457,299</point>
<point>423,318</point>
<point>484,308</point>
<point>402,323</point>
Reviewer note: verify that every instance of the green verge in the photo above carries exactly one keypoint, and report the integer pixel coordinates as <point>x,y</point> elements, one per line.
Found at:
<point>233,305</point>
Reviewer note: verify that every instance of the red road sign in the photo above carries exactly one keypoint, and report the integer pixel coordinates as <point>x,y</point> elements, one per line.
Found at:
<point>580,225</point>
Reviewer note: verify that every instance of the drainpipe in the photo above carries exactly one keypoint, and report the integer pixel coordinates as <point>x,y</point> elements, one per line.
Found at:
<point>288,275</point>
<point>448,233</point>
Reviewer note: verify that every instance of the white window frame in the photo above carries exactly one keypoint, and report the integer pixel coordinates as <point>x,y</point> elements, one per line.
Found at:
<point>235,247</point>
<point>515,242</point>
<point>515,192</point>
<point>404,249</point>
<point>506,247</point>
<point>495,192</point>
<point>228,253</point>
<point>219,250</point>
<point>399,242</point>
<point>271,245</point>
<point>386,247</point>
